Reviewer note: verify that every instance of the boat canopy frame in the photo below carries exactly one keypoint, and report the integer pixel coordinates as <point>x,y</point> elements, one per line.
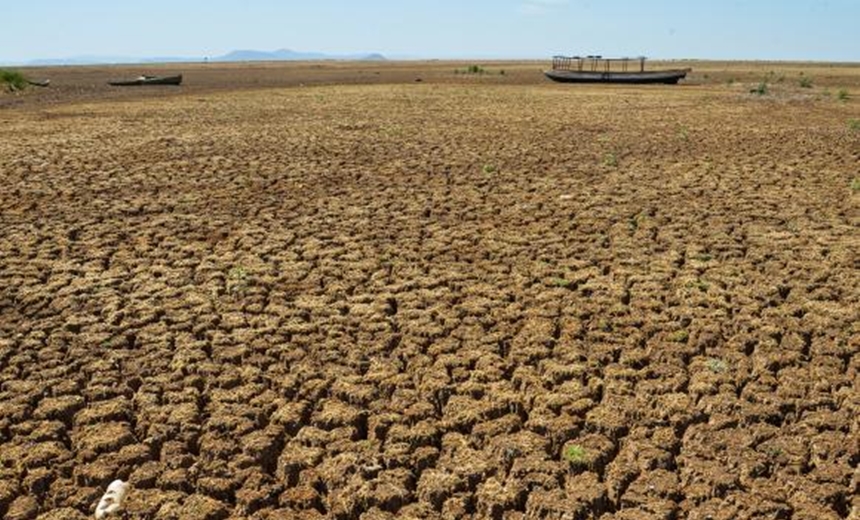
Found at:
<point>595,63</point>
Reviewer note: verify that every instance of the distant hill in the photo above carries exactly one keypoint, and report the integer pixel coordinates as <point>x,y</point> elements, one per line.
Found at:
<point>290,55</point>
<point>234,56</point>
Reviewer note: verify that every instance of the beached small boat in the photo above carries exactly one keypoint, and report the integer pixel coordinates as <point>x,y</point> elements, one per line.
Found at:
<point>597,69</point>
<point>148,80</point>
<point>39,83</point>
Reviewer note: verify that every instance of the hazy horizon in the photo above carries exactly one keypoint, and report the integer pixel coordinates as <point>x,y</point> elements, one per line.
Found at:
<point>766,30</point>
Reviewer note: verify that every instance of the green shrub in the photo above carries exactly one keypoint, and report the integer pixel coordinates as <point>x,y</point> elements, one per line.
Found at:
<point>806,82</point>
<point>679,336</point>
<point>761,90</point>
<point>717,366</point>
<point>854,124</point>
<point>842,95</point>
<point>610,159</point>
<point>574,454</point>
<point>13,81</point>
<point>472,69</point>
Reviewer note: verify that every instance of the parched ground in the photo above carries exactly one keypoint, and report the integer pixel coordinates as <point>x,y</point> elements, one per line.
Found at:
<point>489,297</point>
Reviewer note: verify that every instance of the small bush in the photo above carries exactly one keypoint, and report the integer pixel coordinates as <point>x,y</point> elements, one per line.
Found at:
<point>842,95</point>
<point>805,82</point>
<point>14,81</point>
<point>475,69</point>
<point>854,124</point>
<point>761,90</point>
<point>855,184</point>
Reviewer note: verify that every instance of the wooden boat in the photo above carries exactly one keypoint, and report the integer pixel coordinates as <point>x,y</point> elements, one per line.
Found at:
<point>39,83</point>
<point>148,80</point>
<point>597,69</point>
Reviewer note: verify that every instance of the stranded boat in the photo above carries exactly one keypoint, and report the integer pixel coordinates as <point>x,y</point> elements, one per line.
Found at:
<point>148,80</point>
<point>597,69</point>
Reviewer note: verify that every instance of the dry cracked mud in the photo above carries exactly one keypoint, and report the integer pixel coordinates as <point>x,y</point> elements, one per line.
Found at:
<point>467,299</point>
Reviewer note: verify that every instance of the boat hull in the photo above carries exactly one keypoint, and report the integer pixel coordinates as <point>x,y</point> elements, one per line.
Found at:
<point>167,80</point>
<point>668,77</point>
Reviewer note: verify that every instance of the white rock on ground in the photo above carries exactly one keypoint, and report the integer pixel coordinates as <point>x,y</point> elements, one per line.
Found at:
<point>111,501</point>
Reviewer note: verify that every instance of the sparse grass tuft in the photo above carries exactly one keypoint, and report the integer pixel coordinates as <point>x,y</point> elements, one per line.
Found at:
<point>842,95</point>
<point>560,282</point>
<point>855,184</point>
<point>762,89</point>
<point>679,336</point>
<point>610,159</point>
<point>717,365</point>
<point>699,284</point>
<point>237,281</point>
<point>575,454</point>
<point>633,223</point>
<point>490,169</point>
<point>854,124</point>
<point>805,82</point>
<point>476,70</point>
<point>14,81</point>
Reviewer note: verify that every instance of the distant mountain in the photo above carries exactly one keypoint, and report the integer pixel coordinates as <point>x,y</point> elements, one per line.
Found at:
<point>234,56</point>
<point>290,55</point>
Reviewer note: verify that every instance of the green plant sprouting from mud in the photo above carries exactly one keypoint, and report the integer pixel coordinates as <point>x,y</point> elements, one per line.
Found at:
<point>805,82</point>
<point>610,159</point>
<point>679,336</point>
<point>575,454</point>
<point>717,365</point>
<point>14,81</point>
<point>633,223</point>
<point>855,184</point>
<point>490,169</point>
<point>560,282</point>
<point>843,95</point>
<point>854,124</point>
<point>699,284</point>
<point>237,281</point>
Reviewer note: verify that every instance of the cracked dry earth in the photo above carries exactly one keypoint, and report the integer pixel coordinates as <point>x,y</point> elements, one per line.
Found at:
<point>432,301</point>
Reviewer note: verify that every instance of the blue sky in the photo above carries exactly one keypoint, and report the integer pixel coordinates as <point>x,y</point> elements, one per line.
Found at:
<point>751,29</point>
